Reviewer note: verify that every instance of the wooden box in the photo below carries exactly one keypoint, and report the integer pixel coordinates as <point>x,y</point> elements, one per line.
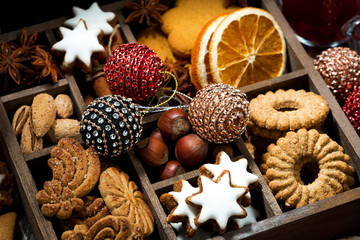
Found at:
<point>327,219</point>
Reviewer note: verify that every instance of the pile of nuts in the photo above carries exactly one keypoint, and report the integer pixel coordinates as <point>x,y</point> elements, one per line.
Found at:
<point>174,134</point>
<point>45,118</point>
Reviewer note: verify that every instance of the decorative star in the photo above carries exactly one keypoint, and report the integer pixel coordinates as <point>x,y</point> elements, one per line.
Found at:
<point>238,170</point>
<point>78,43</point>
<point>94,18</point>
<point>219,200</point>
<point>182,210</point>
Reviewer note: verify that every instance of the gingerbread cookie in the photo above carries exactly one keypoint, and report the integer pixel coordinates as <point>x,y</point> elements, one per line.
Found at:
<point>93,210</point>
<point>183,23</point>
<point>286,159</point>
<point>123,198</point>
<point>79,46</point>
<point>109,227</point>
<point>94,18</point>
<point>75,173</point>
<point>155,39</point>
<point>238,172</point>
<point>180,210</point>
<point>218,200</point>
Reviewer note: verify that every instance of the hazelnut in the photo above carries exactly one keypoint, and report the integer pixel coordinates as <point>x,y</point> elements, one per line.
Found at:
<point>153,150</point>
<point>174,124</point>
<point>191,149</point>
<point>171,169</point>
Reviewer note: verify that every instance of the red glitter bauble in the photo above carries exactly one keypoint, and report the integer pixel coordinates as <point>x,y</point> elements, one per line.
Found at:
<point>340,69</point>
<point>133,71</point>
<point>352,109</point>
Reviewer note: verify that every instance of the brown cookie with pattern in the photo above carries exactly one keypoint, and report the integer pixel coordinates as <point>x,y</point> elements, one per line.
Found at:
<point>123,198</point>
<point>75,173</point>
<point>109,227</point>
<point>93,210</point>
<point>287,110</point>
<point>286,159</point>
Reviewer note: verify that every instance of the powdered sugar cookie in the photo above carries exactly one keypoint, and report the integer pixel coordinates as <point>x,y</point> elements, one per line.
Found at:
<point>219,201</point>
<point>239,175</point>
<point>78,46</point>
<point>94,17</point>
<point>180,210</point>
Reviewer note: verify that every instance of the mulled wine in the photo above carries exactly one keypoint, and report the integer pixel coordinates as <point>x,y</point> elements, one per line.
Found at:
<point>320,22</point>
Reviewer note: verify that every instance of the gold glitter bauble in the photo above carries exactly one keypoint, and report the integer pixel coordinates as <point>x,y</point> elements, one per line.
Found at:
<point>219,113</point>
<point>340,69</point>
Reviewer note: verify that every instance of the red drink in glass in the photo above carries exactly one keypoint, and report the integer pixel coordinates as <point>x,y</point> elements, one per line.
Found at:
<point>319,22</point>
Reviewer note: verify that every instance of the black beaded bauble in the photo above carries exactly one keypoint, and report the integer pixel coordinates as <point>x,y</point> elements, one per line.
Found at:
<point>111,125</point>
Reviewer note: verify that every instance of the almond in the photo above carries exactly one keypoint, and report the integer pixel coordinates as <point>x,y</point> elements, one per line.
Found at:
<point>29,142</point>
<point>64,106</point>
<point>20,117</point>
<point>64,128</point>
<point>43,113</point>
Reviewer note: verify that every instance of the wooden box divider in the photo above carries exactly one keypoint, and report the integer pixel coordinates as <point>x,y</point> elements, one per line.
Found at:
<point>322,217</point>
<point>40,226</point>
<point>307,62</point>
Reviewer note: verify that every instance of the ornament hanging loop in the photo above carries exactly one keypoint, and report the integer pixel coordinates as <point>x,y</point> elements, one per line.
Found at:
<point>159,107</point>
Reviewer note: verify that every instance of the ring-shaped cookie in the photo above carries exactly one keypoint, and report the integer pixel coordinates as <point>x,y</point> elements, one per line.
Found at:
<point>288,110</point>
<point>286,158</point>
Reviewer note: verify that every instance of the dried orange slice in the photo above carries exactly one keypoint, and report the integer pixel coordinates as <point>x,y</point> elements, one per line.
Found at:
<point>248,46</point>
<point>200,70</point>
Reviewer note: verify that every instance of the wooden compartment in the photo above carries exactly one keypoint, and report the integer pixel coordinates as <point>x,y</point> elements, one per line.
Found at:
<point>327,219</point>
<point>273,218</point>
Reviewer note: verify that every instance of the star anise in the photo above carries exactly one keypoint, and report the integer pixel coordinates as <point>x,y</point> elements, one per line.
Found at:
<point>175,67</point>
<point>149,9</point>
<point>27,43</point>
<point>12,64</point>
<point>180,71</point>
<point>43,61</point>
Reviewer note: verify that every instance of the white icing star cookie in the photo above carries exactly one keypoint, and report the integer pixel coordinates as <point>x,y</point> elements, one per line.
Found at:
<point>182,212</point>
<point>252,216</point>
<point>94,17</point>
<point>238,170</point>
<point>219,201</point>
<point>78,44</point>
<point>200,234</point>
